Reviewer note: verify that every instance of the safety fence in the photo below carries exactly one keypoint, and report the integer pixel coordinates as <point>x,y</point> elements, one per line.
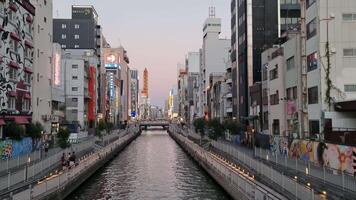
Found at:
<point>61,179</point>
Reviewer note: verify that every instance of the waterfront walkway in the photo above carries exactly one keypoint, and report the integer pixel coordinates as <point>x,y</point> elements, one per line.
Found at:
<point>324,182</point>
<point>20,176</point>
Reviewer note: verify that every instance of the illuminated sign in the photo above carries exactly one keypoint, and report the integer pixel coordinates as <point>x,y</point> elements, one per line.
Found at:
<point>111,86</point>
<point>57,69</point>
<point>111,62</point>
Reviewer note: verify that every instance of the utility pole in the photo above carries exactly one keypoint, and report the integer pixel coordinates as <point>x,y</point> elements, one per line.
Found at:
<point>304,79</point>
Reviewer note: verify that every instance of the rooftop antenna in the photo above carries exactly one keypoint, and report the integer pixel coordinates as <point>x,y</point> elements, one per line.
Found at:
<point>212,11</point>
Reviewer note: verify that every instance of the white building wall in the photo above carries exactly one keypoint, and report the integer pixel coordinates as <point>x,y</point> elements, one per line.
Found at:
<point>193,59</point>
<point>42,90</point>
<point>79,83</point>
<point>341,36</point>
<point>277,112</point>
<point>215,53</point>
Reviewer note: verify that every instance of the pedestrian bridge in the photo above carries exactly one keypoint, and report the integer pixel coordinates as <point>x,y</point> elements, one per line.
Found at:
<point>160,123</point>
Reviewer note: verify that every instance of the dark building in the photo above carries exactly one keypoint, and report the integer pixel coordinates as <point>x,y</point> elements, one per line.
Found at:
<point>289,15</point>
<point>80,32</point>
<point>252,33</point>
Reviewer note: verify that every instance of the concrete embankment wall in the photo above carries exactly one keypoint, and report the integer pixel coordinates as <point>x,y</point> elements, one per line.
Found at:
<point>237,186</point>
<point>59,193</point>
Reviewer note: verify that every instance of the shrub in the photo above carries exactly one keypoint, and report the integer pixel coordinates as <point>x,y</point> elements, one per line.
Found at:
<point>216,129</point>
<point>63,136</point>
<point>199,125</point>
<point>233,126</point>
<point>14,131</point>
<point>34,130</point>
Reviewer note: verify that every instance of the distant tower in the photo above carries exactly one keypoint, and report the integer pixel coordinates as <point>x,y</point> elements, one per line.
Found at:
<point>212,12</point>
<point>145,83</point>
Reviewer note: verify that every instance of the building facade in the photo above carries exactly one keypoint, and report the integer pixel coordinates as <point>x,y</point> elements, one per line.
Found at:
<point>214,56</point>
<point>58,88</point>
<point>254,28</point>
<point>17,58</point>
<point>43,35</point>
<point>330,51</point>
<point>134,94</point>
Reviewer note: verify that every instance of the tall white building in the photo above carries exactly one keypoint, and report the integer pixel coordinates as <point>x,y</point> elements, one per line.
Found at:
<point>330,76</point>
<point>215,52</point>
<point>42,81</point>
<point>80,87</point>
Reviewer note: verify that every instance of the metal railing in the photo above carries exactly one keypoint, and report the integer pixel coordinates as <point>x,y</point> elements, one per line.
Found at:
<point>326,174</point>
<point>289,185</point>
<point>61,179</point>
<point>27,168</point>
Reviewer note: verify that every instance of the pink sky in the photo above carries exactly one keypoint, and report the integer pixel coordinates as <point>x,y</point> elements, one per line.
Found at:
<point>157,34</point>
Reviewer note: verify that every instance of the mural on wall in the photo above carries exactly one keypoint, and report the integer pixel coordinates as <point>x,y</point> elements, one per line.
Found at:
<point>5,149</point>
<point>13,45</point>
<point>11,148</point>
<point>338,157</point>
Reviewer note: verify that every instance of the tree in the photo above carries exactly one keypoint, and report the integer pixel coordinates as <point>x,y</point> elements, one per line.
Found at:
<point>233,126</point>
<point>199,125</point>
<point>34,130</point>
<point>216,129</point>
<point>101,125</point>
<point>63,136</point>
<point>14,131</point>
<point>109,127</point>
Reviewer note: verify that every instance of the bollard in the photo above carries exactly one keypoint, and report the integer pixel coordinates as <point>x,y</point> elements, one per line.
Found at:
<point>8,180</point>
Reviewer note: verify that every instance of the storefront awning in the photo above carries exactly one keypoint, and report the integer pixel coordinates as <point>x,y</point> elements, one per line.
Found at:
<point>2,122</point>
<point>21,120</point>
<point>346,106</point>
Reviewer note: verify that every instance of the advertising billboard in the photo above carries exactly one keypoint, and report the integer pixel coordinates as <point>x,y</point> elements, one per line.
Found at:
<point>111,59</point>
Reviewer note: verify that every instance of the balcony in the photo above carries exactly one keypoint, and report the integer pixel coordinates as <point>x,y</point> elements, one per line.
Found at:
<point>229,110</point>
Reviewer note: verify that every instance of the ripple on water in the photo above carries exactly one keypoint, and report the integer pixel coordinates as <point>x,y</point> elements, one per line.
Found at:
<point>151,167</point>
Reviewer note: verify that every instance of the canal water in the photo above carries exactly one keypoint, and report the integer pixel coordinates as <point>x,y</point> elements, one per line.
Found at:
<point>151,167</point>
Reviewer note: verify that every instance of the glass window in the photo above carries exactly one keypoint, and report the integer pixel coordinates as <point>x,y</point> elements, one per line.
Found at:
<point>312,61</point>
<point>347,16</point>
<point>313,96</point>
<point>64,26</point>
<point>76,46</point>
<point>11,103</point>
<point>74,66</point>
<point>12,73</point>
<point>350,88</point>
<point>290,63</point>
<point>27,78</point>
<point>310,2</point>
<point>26,104</point>
<point>74,99</point>
<point>64,36</point>
<point>314,127</point>
<point>311,28</point>
<point>273,74</point>
<point>75,77</point>
<point>76,26</point>
<point>274,99</point>
<point>275,127</point>
<point>74,89</point>
<point>76,36</point>
<point>350,52</point>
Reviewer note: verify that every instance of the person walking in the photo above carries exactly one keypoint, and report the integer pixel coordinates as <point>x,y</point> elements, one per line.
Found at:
<point>64,161</point>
